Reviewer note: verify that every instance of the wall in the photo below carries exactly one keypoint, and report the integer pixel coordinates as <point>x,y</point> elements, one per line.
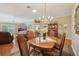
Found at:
<point>64,21</point>
<point>75,37</point>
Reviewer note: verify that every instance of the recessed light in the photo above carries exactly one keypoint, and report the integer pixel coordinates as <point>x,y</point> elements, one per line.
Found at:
<point>28,6</point>
<point>34,10</point>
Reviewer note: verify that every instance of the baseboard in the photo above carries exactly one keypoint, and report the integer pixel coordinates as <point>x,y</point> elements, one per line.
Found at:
<point>74,50</point>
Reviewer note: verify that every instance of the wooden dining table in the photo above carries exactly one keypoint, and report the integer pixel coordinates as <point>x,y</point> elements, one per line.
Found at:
<point>48,44</point>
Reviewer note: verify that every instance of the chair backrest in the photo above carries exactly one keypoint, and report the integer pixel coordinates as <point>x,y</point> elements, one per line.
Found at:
<point>22,45</point>
<point>62,42</point>
<point>37,34</point>
<point>52,33</point>
<point>31,34</point>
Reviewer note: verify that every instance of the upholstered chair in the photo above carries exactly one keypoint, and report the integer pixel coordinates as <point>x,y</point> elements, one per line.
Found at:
<point>5,38</point>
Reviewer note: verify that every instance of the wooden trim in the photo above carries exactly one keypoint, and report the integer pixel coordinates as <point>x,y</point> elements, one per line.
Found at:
<point>74,52</point>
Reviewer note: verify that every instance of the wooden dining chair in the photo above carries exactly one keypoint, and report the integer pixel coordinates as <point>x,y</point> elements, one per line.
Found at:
<point>59,41</point>
<point>52,33</point>
<point>24,48</point>
<point>57,50</point>
<point>22,45</point>
<point>31,35</point>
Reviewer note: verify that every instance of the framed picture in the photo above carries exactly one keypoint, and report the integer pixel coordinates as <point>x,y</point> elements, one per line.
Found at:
<point>77,19</point>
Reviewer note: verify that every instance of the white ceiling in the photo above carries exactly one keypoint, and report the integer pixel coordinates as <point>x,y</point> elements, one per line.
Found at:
<point>52,9</point>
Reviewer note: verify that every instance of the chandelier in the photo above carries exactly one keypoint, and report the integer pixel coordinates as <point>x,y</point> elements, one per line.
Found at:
<point>41,24</point>
<point>45,18</point>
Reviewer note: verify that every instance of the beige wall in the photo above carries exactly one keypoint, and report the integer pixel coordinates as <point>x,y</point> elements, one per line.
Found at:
<point>64,21</point>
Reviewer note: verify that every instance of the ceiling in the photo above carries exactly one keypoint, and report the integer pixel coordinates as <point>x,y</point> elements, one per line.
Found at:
<point>52,9</point>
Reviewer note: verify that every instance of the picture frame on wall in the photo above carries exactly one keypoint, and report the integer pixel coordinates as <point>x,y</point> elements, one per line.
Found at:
<point>77,19</point>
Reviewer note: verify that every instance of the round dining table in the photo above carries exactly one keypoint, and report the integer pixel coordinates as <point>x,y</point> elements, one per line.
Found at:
<point>41,43</point>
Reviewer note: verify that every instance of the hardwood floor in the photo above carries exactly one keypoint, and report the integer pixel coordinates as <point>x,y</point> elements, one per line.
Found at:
<point>8,49</point>
<point>68,42</point>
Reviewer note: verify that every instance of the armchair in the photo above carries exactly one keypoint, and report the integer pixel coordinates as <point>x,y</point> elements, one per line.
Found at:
<point>5,38</point>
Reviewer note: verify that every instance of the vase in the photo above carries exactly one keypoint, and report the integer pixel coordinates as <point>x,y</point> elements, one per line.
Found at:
<point>44,36</point>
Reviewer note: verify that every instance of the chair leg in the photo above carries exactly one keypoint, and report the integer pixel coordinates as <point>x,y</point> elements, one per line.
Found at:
<point>60,53</point>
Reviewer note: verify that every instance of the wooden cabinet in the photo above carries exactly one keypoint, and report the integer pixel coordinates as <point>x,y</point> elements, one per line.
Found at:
<point>53,29</point>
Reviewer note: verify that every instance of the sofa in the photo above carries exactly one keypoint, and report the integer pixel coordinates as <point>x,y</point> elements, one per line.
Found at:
<point>5,38</point>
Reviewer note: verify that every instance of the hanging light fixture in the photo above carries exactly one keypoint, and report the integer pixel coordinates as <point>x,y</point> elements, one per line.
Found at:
<point>45,18</point>
<point>43,21</point>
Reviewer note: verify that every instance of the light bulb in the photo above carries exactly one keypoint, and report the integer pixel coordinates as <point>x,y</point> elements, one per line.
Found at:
<point>48,17</point>
<point>39,18</point>
<point>51,18</point>
<point>43,16</point>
